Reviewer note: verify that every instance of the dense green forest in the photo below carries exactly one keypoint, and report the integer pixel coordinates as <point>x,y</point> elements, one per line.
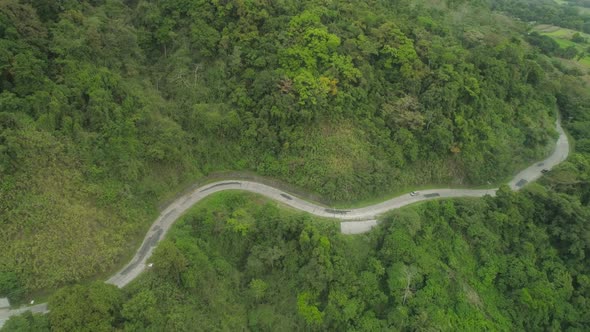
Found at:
<point>547,11</point>
<point>107,107</point>
<point>517,262</point>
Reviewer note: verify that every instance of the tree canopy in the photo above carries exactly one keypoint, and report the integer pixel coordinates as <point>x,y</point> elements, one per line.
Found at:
<point>513,262</point>
<point>109,107</point>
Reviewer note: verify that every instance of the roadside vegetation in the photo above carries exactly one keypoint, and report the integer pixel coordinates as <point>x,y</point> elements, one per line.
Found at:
<point>109,107</point>
<point>237,262</point>
<point>106,107</point>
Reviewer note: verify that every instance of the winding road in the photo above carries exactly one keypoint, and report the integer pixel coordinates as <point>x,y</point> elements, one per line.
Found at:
<point>353,221</point>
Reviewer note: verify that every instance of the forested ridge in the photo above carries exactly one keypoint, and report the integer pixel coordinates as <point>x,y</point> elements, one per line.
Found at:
<point>107,107</point>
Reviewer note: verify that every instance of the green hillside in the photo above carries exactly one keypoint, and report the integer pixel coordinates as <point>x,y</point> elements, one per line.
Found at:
<point>109,107</point>
<point>566,38</point>
<point>236,262</point>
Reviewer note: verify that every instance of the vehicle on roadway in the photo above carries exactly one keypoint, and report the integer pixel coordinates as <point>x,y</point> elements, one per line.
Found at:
<point>413,193</point>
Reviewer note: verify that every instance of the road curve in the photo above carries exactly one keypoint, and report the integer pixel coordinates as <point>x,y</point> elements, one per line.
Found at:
<point>353,220</point>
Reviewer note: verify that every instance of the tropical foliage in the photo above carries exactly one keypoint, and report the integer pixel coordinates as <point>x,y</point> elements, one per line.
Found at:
<point>515,262</point>
<point>109,106</point>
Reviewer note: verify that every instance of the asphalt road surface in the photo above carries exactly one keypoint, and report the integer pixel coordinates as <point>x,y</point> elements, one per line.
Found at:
<point>353,221</point>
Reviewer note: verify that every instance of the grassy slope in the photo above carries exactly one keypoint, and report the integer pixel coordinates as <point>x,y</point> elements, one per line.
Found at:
<point>563,37</point>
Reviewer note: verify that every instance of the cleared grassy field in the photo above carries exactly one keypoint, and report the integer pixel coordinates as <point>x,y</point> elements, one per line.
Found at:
<point>564,43</point>
<point>558,32</point>
<point>563,37</point>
